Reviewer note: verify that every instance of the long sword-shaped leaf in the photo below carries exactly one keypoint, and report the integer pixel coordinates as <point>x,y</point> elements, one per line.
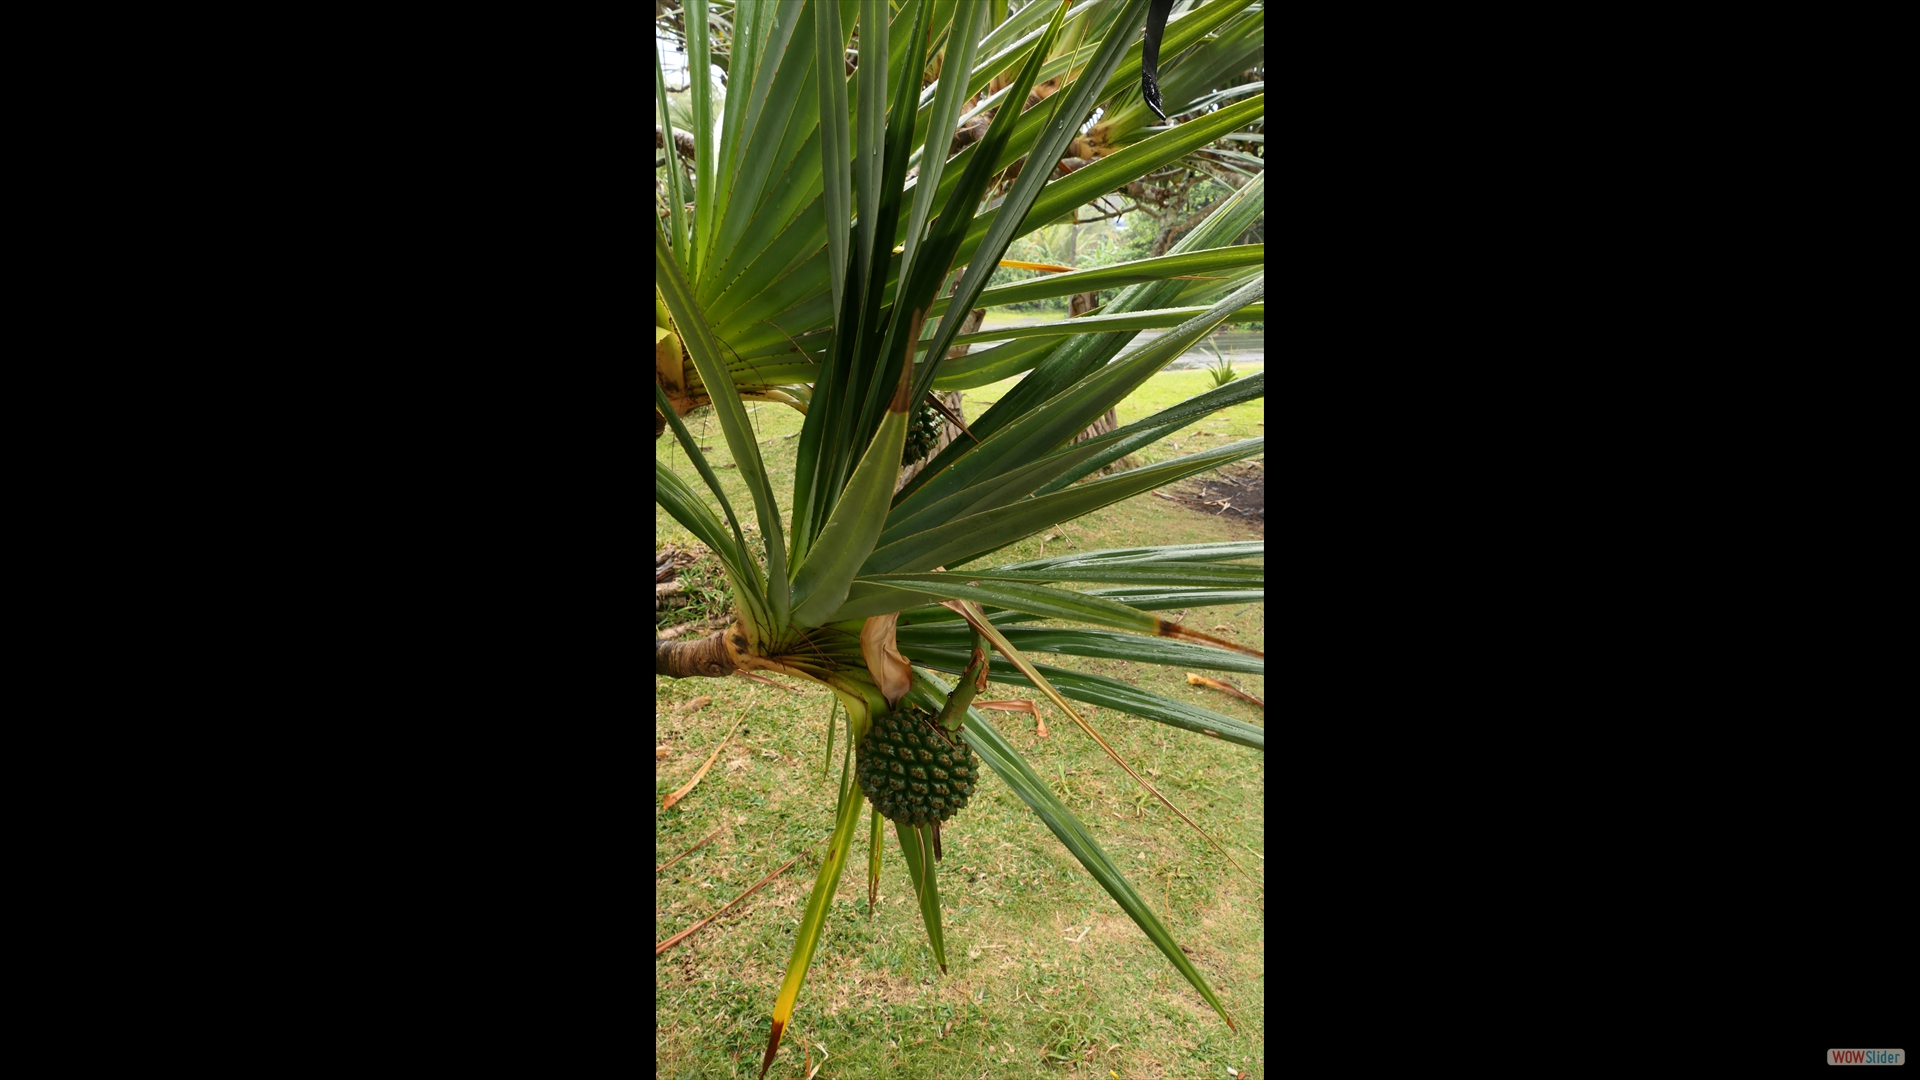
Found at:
<point>1004,760</point>
<point>1050,604</point>
<point>916,844</point>
<point>946,113</point>
<point>1048,148</point>
<point>755,595</point>
<point>1104,324</point>
<point>1163,268</point>
<point>1181,33</point>
<point>1200,20</point>
<point>740,68</point>
<point>705,353</point>
<point>1117,572</point>
<point>956,226</point>
<point>981,535</point>
<point>1169,553</point>
<point>706,149</point>
<point>878,169</point>
<point>1103,176</point>
<point>1142,433</point>
<point>677,499</point>
<point>1075,359</point>
<point>1042,431</point>
<point>979,621</point>
<point>676,184</point>
<point>903,325</point>
<point>916,293</point>
<point>828,60</point>
<point>1080,641</point>
<point>806,937</point>
<point>865,599</point>
<point>774,100</point>
<point>820,584</point>
<point>875,839</point>
<point>1106,693</point>
<point>871,134</point>
<point>1147,598</point>
<point>989,494</point>
<point>982,367</point>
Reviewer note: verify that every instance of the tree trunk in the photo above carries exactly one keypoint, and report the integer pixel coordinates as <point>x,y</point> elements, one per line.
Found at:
<point>701,657</point>
<point>1107,423</point>
<point>682,141</point>
<point>1080,304</point>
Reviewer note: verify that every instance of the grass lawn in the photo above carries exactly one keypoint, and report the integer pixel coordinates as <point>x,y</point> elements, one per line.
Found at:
<point>1047,976</point>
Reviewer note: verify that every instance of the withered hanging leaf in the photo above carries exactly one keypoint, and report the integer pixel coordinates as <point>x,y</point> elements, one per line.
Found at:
<point>891,672</point>
<point>1157,13</point>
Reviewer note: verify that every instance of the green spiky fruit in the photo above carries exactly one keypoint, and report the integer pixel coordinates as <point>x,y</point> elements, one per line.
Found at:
<point>913,773</point>
<point>923,428</point>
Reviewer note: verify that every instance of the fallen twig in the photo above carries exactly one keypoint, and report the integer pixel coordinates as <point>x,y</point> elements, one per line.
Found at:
<point>1202,680</point>
<point>697,846</point>
<point>682,793</point>
<point>689,931</point>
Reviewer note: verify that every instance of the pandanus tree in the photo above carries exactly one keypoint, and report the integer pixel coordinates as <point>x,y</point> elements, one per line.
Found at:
<point>830,201</point>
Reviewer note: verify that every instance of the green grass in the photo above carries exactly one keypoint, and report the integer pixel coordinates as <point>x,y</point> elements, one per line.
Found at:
<point>1025,993</point>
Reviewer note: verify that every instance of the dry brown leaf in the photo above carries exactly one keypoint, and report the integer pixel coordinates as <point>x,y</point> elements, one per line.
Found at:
<point>688,786</point>
<point>696,927</point>
<point>1202,680</point>
<point>1040,722</point>
<point>697,845</point>
<point>695,705</point>
<point>891,672</point>
<point>661,753</point>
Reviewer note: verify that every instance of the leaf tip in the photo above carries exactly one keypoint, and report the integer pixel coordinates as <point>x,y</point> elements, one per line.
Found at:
<point>773,1045</point>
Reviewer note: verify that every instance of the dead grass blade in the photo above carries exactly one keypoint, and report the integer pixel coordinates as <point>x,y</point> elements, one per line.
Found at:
<point>1018,706</point>
<point>701,925</point>
<point>1202,680</point>
<point>698,844</point>
<point>682,793</point>
<point>769,682</point>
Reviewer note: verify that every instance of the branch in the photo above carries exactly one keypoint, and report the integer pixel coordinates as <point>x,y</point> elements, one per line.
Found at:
<point>703,657</point>
<point>1103,217</point>
<point>682,141</point>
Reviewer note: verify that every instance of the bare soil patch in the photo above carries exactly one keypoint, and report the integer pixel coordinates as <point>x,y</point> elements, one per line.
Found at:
<point>1238,490</point>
